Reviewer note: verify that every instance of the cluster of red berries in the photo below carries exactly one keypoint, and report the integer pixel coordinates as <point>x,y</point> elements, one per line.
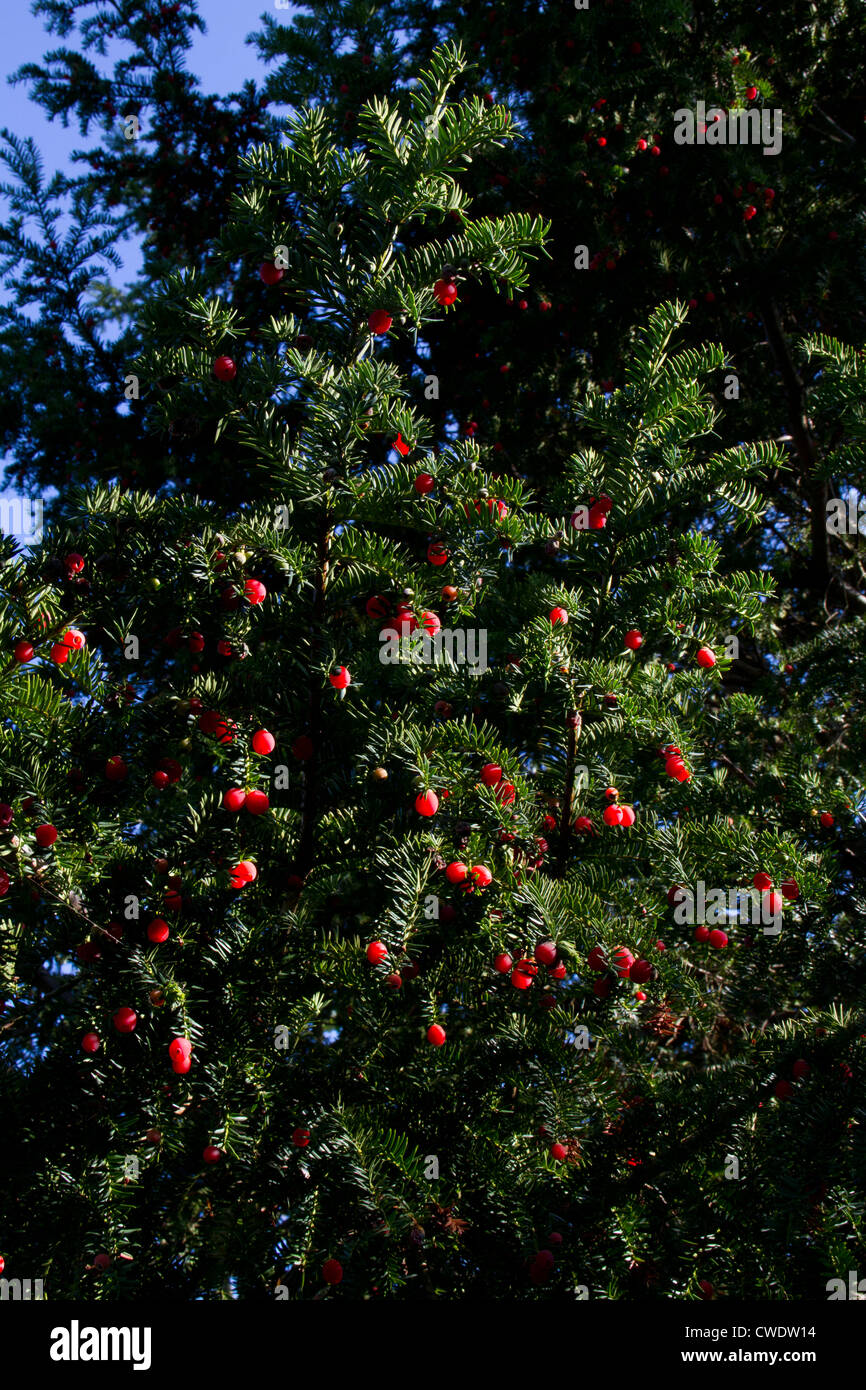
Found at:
<point>525,970</point>
<point>377,953</point>
<point>256,802</point>
<point>716,937</point>
<point>492,776</point>
<point>623,963</point>
<point>210,721</point>
<point>243,873</point>
<point>674,764</point>
<point>180,1053</point>
<point>800,1070</point>
<point>254,593</point>
<point>71,641</point>
<point>614,814</point>
<point>478,876</point>
<point>594,517</point>
<point>437,554</point>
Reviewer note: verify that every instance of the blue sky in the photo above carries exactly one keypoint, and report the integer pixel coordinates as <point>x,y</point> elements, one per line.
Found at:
<point>220,58</point>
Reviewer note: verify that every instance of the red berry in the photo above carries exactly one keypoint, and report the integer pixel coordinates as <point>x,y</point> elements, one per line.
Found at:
<point>243,873</point>
<point>628,815</point>
<point>377,952</point>
<point>558,972</point>
<point>456,872</point>
<point>23,652</point>
<point>596,959</point>
<point>826,820</point>
<point>762,881</point>
<point>559,1152</point>
<point>300,1138</point>
<point>705,658</point>
<point>702,933</point>
<point>800,1070</point>
<point>612,815</point>
<point>256,803</point>
<point>125,1020</point>
<point>160,779</point>
<point>234,798</point>
<point>157,930</point>
<point>425,482</point>
<point>179,1047</point>
<point>623,960</point>
<point>481,875</point>
<point>90,1042</point>
<point>255,592</point>
<point>502,963</point>
<point>541,1268</point>
<point>445,291</point>
<point>583,825</point>
<point>427,803</point>
<point>224,369</point>
<point>377,607</point>
<point>211,1154</point>
<point>263,742</point>
<point>332,1272</point>
<point>437,554</point>
<point>45,835</point>
<point>640,972</point>
<point>379,321</point>
<point>491,774</point>
<point>751,93</point>
<point>116,769</point>
<point>633,639</point>
<point>545,952</point>
<point>74,562</point>
<point>718,939</point>
<point>73,639</point>
<point>520,979</point>
<point>340,678</point>
<point>436,1035</point>
<point>270,274</point>
<point>558,615</point>
<point>790,890</point>
<point>601,987</point>
<point>393,981</point>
